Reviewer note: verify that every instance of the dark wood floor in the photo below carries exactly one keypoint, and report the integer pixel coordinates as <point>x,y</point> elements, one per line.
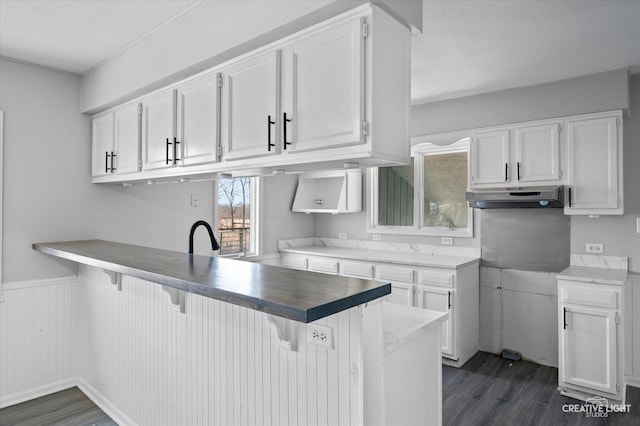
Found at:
<point>489,390</point>
<point>67,408</point>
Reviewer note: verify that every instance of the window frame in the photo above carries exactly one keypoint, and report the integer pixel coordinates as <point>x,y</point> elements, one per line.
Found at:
<point>422,147</point>
<point>255,219</point>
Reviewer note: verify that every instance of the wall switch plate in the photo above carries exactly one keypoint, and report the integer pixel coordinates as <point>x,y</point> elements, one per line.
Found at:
<point>376,237</point>
<point>447,241</point>
<point>342,235</point>
<point>320,335</point>
<point>195,199</point>
<point>595,248</point>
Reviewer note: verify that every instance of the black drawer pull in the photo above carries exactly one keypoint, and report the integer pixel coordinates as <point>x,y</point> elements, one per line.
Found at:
<point>564,315</point>
<point>269,123</point>
<point>285,120</point>
<point>175,151</point>
<point>449,300</point>
<point>167,160</point>
<point>506,172</point>
<point>106,161</point>
<point>113,169</point>
<point>518,170</point>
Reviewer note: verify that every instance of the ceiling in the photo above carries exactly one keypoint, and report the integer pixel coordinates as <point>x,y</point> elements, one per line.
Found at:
<point>468,47</point>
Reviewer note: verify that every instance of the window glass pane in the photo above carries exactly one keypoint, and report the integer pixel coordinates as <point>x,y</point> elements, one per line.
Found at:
<point>395,195</point>
<point>234,215</point>
<point>445,184</point>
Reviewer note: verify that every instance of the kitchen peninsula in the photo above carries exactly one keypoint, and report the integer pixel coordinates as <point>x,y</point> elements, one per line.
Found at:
<point>235,348</point>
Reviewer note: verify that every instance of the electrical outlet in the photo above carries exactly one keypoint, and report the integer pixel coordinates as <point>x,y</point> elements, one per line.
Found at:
<point>447,241</point>
<point>195,199</point>
<point>378,237</point>
<point>320,335</point>
<point>342,235</point>
<point>595,248</point>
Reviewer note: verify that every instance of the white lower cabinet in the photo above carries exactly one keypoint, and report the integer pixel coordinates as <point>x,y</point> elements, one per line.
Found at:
<point>590,321</point>
<point>455,291</point>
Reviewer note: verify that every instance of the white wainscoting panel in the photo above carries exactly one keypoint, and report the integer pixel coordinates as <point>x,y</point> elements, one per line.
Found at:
<point>36,338</point>
<point>215,364</point>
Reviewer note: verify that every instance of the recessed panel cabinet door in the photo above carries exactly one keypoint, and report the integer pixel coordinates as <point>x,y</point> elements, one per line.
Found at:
<point>490,158</point>
<point>250,107</point>
<point>198,103</point>
<point>158,130</point>
<point>538,153</point>
<point>589,344</point>
<point>401,293</point>
<point>127,139</point>
<point>440,300</point>
<point>593,166</point>
<point>323,89</point>
<point>102,144</point>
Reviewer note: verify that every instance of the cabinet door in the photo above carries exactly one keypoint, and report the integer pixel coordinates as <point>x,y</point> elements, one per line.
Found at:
<point>102,144</point>
<point>588,355</point>
<point>593,166</point>
<point>401,293</point>
<point>490,158</point>
<point>250,107</point>
<point>127,139</point>
<point>538,153</point>
<point>198,120</point>
<point>323,89</point>
<point>442,300</point>
<point>158,130</point>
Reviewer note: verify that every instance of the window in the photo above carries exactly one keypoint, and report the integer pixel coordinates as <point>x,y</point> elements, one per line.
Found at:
<point>237,216</point>
<point>426,197</point>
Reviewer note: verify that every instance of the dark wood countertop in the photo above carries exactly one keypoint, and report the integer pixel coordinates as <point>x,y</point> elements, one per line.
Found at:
<point>297,295</point>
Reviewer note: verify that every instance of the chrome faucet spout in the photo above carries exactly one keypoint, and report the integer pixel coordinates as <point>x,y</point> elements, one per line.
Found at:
<point>214,243</point>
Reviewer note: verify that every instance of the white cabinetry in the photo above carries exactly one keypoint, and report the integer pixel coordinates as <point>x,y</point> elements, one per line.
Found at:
<point>250,107</point>
<point>454,291</point>
<point>524,155</point>
<point>590,346</point>
<point>595,164</point>
<point>159,142</point>
<point>116,141</point>
<point>198,119</point>
<point>323,89</point>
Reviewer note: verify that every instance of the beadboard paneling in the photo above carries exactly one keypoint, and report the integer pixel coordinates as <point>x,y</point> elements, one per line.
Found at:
<point>215,364</point>
<point>36,339</point>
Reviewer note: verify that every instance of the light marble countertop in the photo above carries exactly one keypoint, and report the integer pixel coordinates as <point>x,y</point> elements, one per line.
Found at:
<point>594,275</point>
<point>397,257</point>
<point>403,323</point>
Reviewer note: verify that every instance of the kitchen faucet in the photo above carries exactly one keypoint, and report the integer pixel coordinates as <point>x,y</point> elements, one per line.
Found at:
<point>214,243</point>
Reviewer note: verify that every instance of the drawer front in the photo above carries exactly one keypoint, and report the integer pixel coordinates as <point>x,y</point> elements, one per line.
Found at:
<point>326,266</point>
<point>436,277</point>
<point>295,261</point>
<point>395,273</point>
<point>589,295</point>
<point>356,269</point>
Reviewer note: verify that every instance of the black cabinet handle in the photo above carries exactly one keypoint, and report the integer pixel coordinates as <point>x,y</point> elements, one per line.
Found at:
<point>113,169</point>
<point>285,120</point>
<point>106,161</point>
<point>449,300</point>
<point>506,172</point>
<point>569,197</point>
<point>167,155</point>
<point>518,170</point>
<point>564,315</point>
<point>269,123</point>
<point>175,151</point>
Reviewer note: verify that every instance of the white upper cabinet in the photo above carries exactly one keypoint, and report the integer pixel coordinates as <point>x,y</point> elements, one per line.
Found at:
<point>116,141</point>
<point>250,107</point>
<point>595,165</point>
<point>102,143</point>
<point>537,153</point>
<point>159,131</point>
<point>490,158</point>
<point>127,139</point>
<point>526,155</point>
<point>323,88</point>
<point>198,119</point>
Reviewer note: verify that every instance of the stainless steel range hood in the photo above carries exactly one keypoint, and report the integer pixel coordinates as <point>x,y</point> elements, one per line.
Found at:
<point>510,198</point>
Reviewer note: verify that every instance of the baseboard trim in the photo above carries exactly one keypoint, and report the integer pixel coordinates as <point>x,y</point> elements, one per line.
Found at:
<point>33,393</point>
<point>21,285</point>
<point>104,404</point>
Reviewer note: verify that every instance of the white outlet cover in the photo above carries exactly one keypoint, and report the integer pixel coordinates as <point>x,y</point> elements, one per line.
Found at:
<point>342,236</point>
<point>595,248</point>
<point>320,335</point>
